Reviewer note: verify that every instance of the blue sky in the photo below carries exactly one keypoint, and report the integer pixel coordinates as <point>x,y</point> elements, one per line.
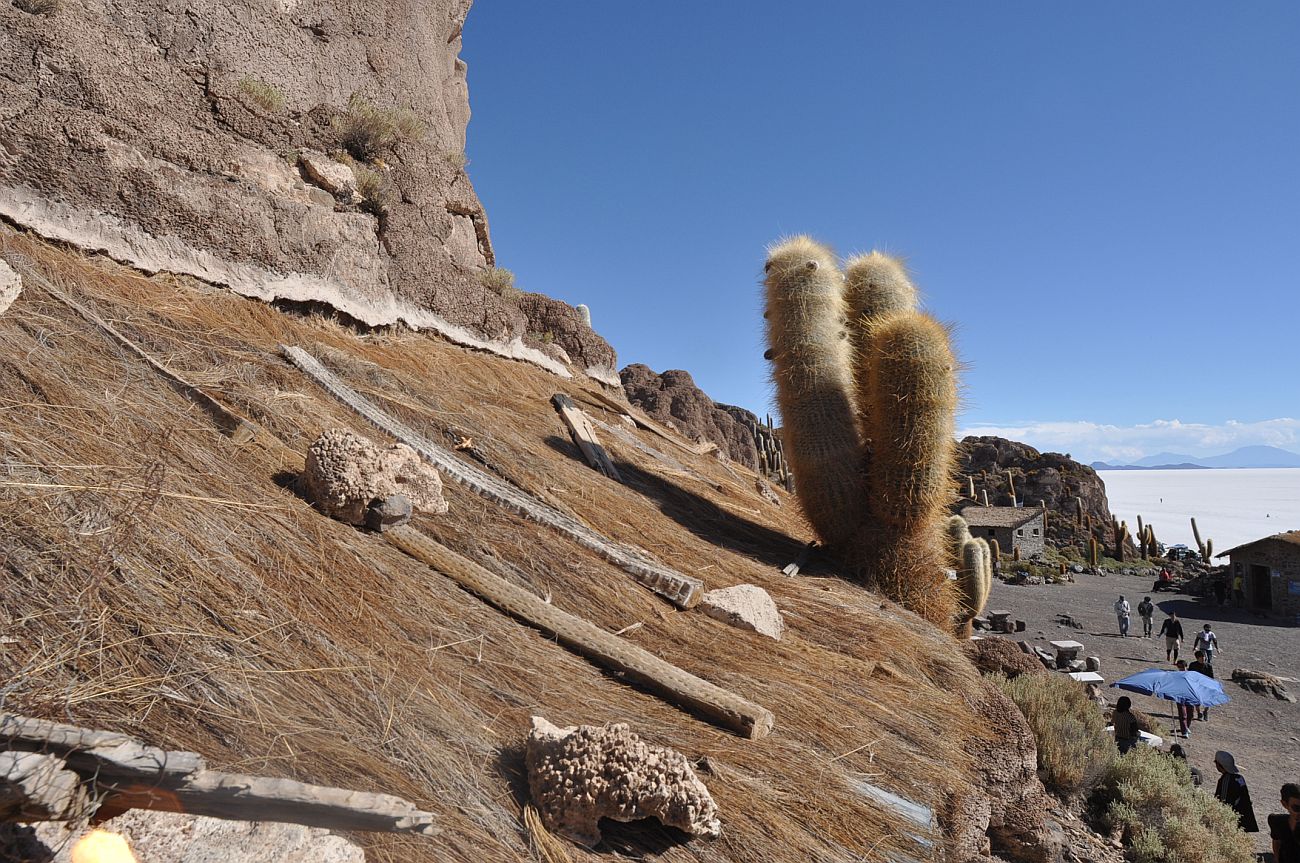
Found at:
<point>1104,199</point>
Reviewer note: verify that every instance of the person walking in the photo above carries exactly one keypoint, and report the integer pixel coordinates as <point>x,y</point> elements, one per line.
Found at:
<point>1146,611</point>
<point>1122,614</point>
<point>1202,666</point>
<point>1284,829</point>
<point>1206,641</point>
<point>1127,733</point>
<point>1185,713</point>
<point>1232,790</point>
<point>1172,630</point>
<point>1238,595</point>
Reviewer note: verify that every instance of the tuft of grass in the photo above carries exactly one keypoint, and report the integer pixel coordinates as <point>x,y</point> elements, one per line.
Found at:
<point>1074,749</point>
<point>1149,798</point>
<point>262,94</point>
<point>457,160</point>
<point>501,282</point>
<point>373,186</point>
<point>367,130</point>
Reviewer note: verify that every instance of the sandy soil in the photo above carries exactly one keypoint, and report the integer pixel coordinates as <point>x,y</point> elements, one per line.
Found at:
<point>1262,733</point>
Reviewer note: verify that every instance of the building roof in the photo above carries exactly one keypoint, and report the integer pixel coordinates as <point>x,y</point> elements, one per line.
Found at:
<point>999,516</point>
<point>1291,536</point>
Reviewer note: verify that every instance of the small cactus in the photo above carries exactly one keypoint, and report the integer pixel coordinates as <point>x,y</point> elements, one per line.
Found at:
<point>974,575</point>
<point>1092,551</point>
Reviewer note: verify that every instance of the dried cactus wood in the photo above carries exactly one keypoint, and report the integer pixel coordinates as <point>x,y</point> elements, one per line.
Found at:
<point>806,317</point>
<point>681,590</point>
<point>581,774</point>
<point>128,774</point>
<point>584,436</point>
<point>670,682</point>
<point>868,395</point>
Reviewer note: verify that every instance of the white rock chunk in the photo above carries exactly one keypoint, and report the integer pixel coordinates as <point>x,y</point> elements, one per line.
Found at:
<point>334,177</point>
<point>11,285</point>
<point>745,606</point>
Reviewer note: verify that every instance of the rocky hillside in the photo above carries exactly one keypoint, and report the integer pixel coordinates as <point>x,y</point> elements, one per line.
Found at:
<point>304,152</point>
<point>673,397</point>
<point>1039,477</point>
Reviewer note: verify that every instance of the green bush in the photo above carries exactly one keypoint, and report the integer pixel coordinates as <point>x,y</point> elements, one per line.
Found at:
<point>1074,749</point>
<point>373,187</point>
<point>1149,798</point>
<point>501,282</point>
<point>367,131</point>
<point>262,95</point>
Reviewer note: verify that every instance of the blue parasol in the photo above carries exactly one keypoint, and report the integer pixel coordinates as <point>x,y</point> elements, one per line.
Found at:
<point>1184,687</point>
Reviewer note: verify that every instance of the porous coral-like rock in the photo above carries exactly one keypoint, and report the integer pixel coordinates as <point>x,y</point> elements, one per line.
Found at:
<point>581,774</point>
<point>1002,656</point>
<point>345,473</point>
<point>745,606</point>
<point>11,285</point>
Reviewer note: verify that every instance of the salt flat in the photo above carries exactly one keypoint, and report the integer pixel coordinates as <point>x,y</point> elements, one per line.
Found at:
<point>1231,506</point>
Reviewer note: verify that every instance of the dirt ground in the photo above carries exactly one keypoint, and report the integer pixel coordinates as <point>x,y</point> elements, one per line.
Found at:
<point>1262,733</point>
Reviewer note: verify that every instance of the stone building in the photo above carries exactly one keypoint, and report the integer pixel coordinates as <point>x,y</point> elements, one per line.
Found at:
<point>1012,526</point>
<point>1270,573</point>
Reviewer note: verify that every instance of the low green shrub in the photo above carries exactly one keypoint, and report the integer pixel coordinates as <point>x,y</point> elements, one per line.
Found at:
<point>374,188</point>
<point>1074,749</point>
<point>1149,798</point>
<point>367,130</point>
<point>501,282</point>
<point>262,95</point>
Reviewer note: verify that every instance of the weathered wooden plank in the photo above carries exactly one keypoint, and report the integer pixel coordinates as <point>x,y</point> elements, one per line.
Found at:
<point>129,774</point>
<point>650,425</point>
<point>666,680</point>
<point>584,436</point>
<point>682,590</point>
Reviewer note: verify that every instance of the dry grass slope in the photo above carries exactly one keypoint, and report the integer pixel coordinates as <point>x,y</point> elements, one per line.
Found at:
<point>160,580</point>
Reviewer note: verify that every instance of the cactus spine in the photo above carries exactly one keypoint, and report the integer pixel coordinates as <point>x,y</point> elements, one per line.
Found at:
<point>874,482</point>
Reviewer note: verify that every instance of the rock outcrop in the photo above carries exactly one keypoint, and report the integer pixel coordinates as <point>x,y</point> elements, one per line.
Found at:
<point>193,138</point>
<point>581,774</point>
<point>993,655</point>
<point>1050,477</point>
<point>353,480</point>
<point>555,324</point>
<point>673,397</point>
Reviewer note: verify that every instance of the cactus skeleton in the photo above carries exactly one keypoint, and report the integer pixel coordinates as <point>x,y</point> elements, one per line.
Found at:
<point>867,390</point>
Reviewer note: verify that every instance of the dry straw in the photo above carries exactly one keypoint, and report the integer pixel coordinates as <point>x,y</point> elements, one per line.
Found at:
<point>160,580</point>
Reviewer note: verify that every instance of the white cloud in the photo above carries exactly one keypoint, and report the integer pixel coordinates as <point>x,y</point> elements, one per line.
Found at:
<point>1088,442</point>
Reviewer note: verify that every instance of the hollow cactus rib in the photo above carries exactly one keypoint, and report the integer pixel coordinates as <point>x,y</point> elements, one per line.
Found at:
<point>814,385</point>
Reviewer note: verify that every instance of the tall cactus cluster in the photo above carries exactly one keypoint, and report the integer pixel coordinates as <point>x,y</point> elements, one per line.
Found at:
<point>867,389</point>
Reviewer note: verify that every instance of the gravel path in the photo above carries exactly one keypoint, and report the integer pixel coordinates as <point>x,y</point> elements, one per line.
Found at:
<point>1262,733</point>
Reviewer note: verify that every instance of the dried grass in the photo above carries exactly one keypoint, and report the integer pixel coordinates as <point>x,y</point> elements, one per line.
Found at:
<point>162,581</point>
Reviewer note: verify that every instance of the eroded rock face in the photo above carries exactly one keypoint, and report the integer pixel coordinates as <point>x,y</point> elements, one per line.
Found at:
<point>552,322</point>
<point>346,473</point>
<point>673,397</point>
<point>1008,811</point>
<point>11,285</point>
<point>745,606</point>
<point>580,774</point>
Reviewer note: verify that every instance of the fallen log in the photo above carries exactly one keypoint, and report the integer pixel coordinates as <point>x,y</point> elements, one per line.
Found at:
<point>681,590</point>
<point>583,637</point>
<point>584,436</point>
<point>127,773</point>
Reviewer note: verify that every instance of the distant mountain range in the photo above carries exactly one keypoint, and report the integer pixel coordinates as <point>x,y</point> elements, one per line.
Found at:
<point>1246,456</point>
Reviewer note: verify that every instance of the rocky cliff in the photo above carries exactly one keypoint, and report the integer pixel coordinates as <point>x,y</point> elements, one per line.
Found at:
<point>673,397</point>
<point>1049,477</point>
<point>308,152</point>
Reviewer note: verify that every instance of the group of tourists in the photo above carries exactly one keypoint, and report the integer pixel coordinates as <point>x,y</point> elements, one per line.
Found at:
<point>1231,789</point>
<point>1171,629</point>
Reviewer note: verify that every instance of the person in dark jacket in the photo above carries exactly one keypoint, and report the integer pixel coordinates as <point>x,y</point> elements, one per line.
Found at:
<point>1232,790</point>
<point>1202,666</point>
<point>1285,829</point>
<point>1146,611</point>
<point>1172,630</point>
<point>1127,733</point>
